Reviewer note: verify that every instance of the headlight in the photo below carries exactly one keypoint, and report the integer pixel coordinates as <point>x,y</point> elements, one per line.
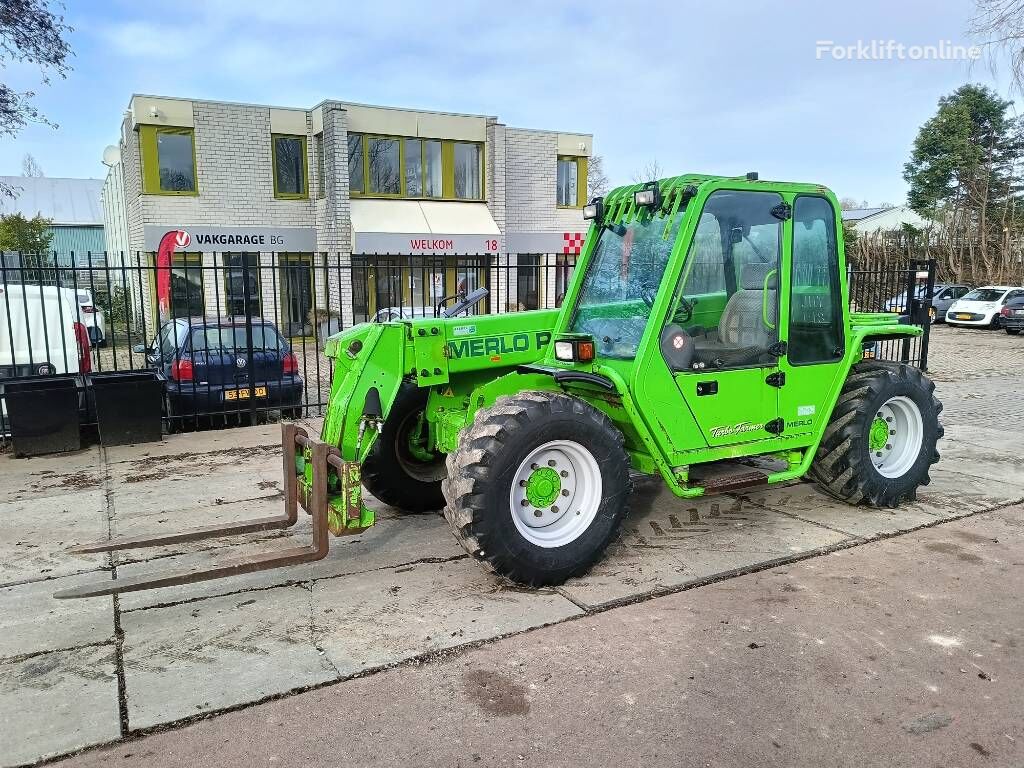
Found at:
<point>574,350</point>
<point>649,196</point>
<point>594,209</point>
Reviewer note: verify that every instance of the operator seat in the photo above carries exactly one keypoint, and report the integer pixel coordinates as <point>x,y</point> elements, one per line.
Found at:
<point>749,322</point>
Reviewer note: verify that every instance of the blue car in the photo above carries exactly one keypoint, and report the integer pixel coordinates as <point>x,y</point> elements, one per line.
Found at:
<point>206,365</point>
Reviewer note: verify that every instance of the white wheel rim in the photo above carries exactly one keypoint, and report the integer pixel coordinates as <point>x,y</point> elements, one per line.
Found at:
<point>555,515</point>
<point>905,435</point>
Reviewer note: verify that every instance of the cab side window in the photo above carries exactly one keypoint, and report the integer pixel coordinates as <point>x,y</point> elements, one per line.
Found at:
<point>815,300</point>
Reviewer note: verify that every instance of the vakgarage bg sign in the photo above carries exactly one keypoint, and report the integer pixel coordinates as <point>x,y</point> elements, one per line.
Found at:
<point>207,238</point>
<point>423,244</point>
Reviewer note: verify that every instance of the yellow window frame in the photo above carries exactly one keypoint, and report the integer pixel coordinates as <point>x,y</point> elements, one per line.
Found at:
<point>278,194</point>
<point>581,179</point>
<point>447,168</point>
<point>149,158</point>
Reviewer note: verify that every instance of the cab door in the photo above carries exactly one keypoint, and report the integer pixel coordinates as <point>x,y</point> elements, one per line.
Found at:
<point>814,316</point>
<point>727,307</point>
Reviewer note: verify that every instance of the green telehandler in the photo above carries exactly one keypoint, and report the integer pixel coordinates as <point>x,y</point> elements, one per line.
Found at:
<point>706,337</point>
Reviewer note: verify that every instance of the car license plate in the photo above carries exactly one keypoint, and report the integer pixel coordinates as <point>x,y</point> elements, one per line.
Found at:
<point>243,394</point>
<point>962,316</point>
<point>1018,311</point>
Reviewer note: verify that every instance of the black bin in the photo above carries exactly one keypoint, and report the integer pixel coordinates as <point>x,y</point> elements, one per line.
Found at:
<point>128,406</point>
<point>43,415</point>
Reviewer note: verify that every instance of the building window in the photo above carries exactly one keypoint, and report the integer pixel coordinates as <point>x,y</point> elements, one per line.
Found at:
<point>572,182</point>
<point>433,186</point>
<point>296,294</point>
<point>290,175</point>
<point>168,160</point>
<point>241,295</point>
<point>527,281</point>
<point>385,173</point>
<point>355,162</point>
<point>468,171</point>
<point>413,167</point>
<point>318,152</point>
<point>393,166</point>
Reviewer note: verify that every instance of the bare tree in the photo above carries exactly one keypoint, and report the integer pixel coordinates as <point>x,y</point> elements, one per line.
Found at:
<point>597,179</point>
<point>650,172</point>
<point>30,168</point>
<point>998,26</point>
<point>848,204</point>
<point>30,32</point>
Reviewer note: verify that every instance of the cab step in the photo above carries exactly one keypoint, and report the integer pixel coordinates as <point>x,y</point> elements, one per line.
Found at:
<point>723,476</point>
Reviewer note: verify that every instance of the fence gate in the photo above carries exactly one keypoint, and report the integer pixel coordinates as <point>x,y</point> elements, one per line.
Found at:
<point>903,289</point>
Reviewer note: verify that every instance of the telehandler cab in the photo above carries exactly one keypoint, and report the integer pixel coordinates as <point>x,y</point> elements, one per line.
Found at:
<point>706,337</point>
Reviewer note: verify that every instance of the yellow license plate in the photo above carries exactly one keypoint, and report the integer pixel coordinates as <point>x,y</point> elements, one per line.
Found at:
<point>243,394</point>
<point>963,317</point>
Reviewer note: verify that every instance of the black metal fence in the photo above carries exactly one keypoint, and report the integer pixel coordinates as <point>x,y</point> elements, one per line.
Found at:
<point>905,289</point>
<point>241,335</point>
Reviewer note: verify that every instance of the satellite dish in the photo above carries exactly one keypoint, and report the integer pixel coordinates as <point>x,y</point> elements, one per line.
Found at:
<point>111,156</point>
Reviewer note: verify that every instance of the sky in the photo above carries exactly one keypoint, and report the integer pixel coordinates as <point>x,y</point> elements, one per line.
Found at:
<point>720,88</point>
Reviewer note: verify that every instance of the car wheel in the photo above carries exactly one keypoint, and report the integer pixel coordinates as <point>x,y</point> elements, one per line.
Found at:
<point>997,322</point>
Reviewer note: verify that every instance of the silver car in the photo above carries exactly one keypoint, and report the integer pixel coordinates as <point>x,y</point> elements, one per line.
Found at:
<point>943,296</point>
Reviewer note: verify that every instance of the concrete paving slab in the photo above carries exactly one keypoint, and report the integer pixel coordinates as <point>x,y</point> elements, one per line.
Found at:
<point>387,616</point>
<point>35,532</point>
<point>31,620</point>
<point>57,702</point>
<point>56,475</point>
<point>178,494</point>
<point>670,542</point>
<point>263,435</point>
<point>982,453</point>
<point>807,502</point>
<point>186,659</point>
<point>388,544</point>
<point>953,493</point>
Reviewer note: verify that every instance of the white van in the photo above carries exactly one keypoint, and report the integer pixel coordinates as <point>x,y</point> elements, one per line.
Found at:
<point>40,332</point>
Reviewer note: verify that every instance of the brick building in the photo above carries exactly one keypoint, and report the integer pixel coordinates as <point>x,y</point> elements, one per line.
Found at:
<point>345,207</point>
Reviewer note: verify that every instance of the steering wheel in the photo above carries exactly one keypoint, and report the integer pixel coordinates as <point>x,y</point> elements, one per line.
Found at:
<point>684,312</point>
<point>648,293</point>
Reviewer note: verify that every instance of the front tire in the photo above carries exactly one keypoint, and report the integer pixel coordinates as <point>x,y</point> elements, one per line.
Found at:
<point>538,487</point>
<point>393,472</point>
<point>880,442</point>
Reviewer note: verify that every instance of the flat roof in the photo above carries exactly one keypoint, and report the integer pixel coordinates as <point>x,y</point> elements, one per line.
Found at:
<point>68,202</point>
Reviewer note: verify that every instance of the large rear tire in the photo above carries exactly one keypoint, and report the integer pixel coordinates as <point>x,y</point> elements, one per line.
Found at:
<point>538,487</point>
<point>393,472</point>
<point>880,441</point>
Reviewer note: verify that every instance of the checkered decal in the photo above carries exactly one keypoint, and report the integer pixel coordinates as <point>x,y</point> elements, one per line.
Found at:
<point>573,243</point>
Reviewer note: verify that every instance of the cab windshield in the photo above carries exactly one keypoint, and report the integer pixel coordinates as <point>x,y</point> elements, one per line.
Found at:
<point>621,283</point>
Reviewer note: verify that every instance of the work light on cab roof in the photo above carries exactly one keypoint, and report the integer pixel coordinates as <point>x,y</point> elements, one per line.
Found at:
<point>707,323</point>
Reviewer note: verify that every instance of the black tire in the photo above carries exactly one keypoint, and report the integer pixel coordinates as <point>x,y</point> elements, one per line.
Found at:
<point>391,472</point>
<point>481,473</point>
<point>997,322</point>
<point>1012,331</point>
<point>843,465</point>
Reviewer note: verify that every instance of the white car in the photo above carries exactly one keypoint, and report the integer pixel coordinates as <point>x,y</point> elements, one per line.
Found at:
<point>91,317</point>
<point>981,306</point>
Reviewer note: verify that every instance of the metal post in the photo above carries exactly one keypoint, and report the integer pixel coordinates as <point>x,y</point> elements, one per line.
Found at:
<point>247,307</point>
